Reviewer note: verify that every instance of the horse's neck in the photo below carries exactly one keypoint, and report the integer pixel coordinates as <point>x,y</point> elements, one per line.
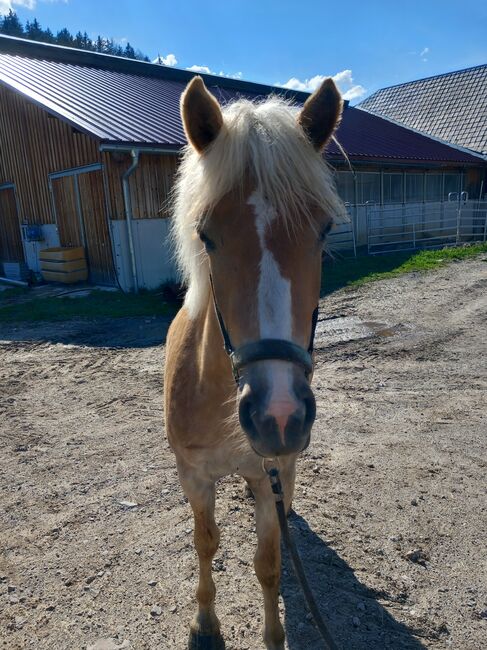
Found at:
<point>213,360</point>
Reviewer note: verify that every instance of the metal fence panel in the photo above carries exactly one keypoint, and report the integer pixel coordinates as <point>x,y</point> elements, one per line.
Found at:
<point>392,228</point>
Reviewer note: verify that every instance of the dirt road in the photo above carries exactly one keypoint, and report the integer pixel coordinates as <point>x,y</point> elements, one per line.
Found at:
<point>96,537</point>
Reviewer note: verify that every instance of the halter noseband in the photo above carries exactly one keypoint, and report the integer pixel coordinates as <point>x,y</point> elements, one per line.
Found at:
<point>265,349</point>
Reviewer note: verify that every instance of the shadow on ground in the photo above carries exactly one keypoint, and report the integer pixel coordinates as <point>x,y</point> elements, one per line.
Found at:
<point>100,332</point>
<point>356,619</point>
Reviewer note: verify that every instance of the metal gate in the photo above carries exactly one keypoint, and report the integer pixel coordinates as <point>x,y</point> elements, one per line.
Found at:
<point>405,227</point>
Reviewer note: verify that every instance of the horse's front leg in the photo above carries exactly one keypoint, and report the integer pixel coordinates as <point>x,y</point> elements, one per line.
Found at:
<point>267,561</point>
<point>205,627</point>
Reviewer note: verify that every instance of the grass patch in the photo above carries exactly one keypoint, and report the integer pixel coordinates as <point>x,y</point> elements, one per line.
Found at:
<point>98,304</point>
<point>12,292</point>
<point>355,272</point>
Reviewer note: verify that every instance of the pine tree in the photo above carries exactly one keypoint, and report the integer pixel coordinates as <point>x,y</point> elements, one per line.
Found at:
<point>78,40</point>
<point>34,31</point>
<point>48,36</point>
<point>129,51</point>
<point>64,37</point>
<point>11,25</point>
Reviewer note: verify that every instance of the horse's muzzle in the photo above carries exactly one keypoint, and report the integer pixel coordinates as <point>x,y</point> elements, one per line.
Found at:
<point>280,428</point>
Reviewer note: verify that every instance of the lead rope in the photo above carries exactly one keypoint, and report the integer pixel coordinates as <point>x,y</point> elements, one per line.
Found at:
<point>276,486</point>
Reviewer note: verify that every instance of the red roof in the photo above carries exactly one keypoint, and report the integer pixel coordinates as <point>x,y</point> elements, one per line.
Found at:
<point>121,101</point>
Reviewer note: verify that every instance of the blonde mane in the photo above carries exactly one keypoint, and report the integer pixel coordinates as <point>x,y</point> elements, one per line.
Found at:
<point>260,139</point>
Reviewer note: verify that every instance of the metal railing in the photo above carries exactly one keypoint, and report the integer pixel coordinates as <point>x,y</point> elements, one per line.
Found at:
<point>392,228</point>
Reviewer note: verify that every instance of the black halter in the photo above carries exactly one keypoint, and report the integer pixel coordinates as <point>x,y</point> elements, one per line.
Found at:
<point>265,349</point>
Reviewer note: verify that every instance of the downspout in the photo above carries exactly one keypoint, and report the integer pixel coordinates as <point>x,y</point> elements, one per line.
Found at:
<point>129,216</point>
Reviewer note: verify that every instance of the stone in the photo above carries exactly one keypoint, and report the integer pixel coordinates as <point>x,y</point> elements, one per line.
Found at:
<point>155,610</point>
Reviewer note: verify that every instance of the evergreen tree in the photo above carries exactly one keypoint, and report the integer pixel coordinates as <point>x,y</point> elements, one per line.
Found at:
<point>33,30</point>
<point>11,25</point>
<point>64,37</point>
<point>48,36</point>
<point>78,40</point>
<point>129,51</point>
<point>99,44</point>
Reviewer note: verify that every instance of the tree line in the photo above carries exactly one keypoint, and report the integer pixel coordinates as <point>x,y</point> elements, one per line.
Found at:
<point>11,25</point>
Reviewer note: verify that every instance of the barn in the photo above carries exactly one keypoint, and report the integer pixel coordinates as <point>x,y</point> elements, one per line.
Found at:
<point>89,145</point>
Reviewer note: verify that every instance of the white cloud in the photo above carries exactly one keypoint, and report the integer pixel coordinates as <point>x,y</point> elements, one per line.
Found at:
<point>169,60</point>
<point>423,53</point>
<point>6,5</point>
<point>200,68</point>
<point>343,80</point>
<point>206,70</point>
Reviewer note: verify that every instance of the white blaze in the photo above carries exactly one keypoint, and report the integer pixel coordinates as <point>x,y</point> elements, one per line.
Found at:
<point>274,310</point>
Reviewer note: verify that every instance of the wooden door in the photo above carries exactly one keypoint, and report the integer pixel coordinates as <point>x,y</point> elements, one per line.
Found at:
<point>66,209</point>
<point>97,236</point>
<point>11,249</point>
<point>79,201</point>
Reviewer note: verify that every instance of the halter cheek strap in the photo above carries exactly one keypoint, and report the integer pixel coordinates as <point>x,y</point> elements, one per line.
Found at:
<point>265,349</point>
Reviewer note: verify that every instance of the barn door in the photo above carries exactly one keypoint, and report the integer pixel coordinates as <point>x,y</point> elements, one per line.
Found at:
<point>68,220</point>
<point>97,237</point>
<point>11,249</point>
<point>79,204</point>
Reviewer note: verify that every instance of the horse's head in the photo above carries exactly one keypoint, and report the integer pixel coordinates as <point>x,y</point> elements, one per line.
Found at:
<point>259,200</point>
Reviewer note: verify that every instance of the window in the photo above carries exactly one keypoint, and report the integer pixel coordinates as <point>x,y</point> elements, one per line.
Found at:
<point>434,187</point>
<point>345,186</point>
<point>368,187</point>
<point>393,185</point>
<point>452,184</point>
<point>414,188</point>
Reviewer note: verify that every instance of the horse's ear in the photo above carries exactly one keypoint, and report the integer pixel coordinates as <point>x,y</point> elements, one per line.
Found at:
<point>202,117</point>
<point>321,114</point>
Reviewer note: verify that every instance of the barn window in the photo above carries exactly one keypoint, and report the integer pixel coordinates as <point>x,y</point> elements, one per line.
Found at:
<point>368,187</point>
<point>393,188</point>
<point>414,188</point>
<point>452,184</point>
<point>345,186</point>
<point>433,190</point>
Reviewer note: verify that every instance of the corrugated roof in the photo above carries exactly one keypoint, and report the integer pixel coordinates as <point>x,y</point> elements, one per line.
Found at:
<point>451,106</point>
<point>129,102</point>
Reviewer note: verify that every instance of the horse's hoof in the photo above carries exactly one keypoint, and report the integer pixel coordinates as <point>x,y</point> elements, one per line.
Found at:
<point>205,642</point>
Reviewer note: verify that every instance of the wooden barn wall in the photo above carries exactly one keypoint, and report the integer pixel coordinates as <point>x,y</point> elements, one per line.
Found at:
<point>150,184</point>
<point>32,145</point>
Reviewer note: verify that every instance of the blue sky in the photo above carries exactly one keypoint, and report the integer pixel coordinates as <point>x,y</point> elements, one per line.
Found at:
<point>364,44</point>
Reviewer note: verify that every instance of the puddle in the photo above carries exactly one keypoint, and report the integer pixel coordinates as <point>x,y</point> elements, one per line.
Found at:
<point>351,328</point>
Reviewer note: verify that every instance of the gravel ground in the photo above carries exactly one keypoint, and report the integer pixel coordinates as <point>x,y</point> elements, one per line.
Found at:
<point>96,537</point>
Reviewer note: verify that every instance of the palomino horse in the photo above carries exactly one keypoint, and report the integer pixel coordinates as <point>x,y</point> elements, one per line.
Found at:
<point>253,202</point>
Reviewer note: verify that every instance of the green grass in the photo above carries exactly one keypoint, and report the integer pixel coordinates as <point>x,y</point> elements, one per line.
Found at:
<point>99,304</point>
<point>12,292</point>
<point>108,304</point>
<point>355,272</point>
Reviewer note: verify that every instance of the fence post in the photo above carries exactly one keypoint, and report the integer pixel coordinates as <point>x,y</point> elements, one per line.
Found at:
<point>414,234</point>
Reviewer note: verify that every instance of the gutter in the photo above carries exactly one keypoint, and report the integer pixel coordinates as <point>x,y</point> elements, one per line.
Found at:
<point>129,215</point>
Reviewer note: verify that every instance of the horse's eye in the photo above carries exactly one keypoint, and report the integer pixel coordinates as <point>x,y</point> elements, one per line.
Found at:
<point>325,231</point>
<point>209,245</point>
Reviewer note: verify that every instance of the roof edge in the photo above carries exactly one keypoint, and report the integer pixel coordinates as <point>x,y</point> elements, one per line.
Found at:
<point>457,147</point>
<point>39,50</point>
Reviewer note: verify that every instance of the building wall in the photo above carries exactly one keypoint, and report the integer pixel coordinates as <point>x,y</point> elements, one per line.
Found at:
<point>150,184</point>
<point>33,145</point>
<point>82,207</point>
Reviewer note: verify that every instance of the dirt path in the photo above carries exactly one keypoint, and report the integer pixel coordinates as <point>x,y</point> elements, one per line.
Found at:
<point>391,494</point>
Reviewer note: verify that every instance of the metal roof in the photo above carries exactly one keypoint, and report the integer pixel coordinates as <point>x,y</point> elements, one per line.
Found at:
<point>120,101</point>
<point>450,106</point>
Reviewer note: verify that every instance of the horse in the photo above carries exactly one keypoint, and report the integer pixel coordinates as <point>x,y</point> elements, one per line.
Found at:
<point>253,201</point>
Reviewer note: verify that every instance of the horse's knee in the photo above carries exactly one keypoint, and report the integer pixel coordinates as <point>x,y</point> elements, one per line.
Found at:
<point>206,539</point>
<point>267,562</point>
